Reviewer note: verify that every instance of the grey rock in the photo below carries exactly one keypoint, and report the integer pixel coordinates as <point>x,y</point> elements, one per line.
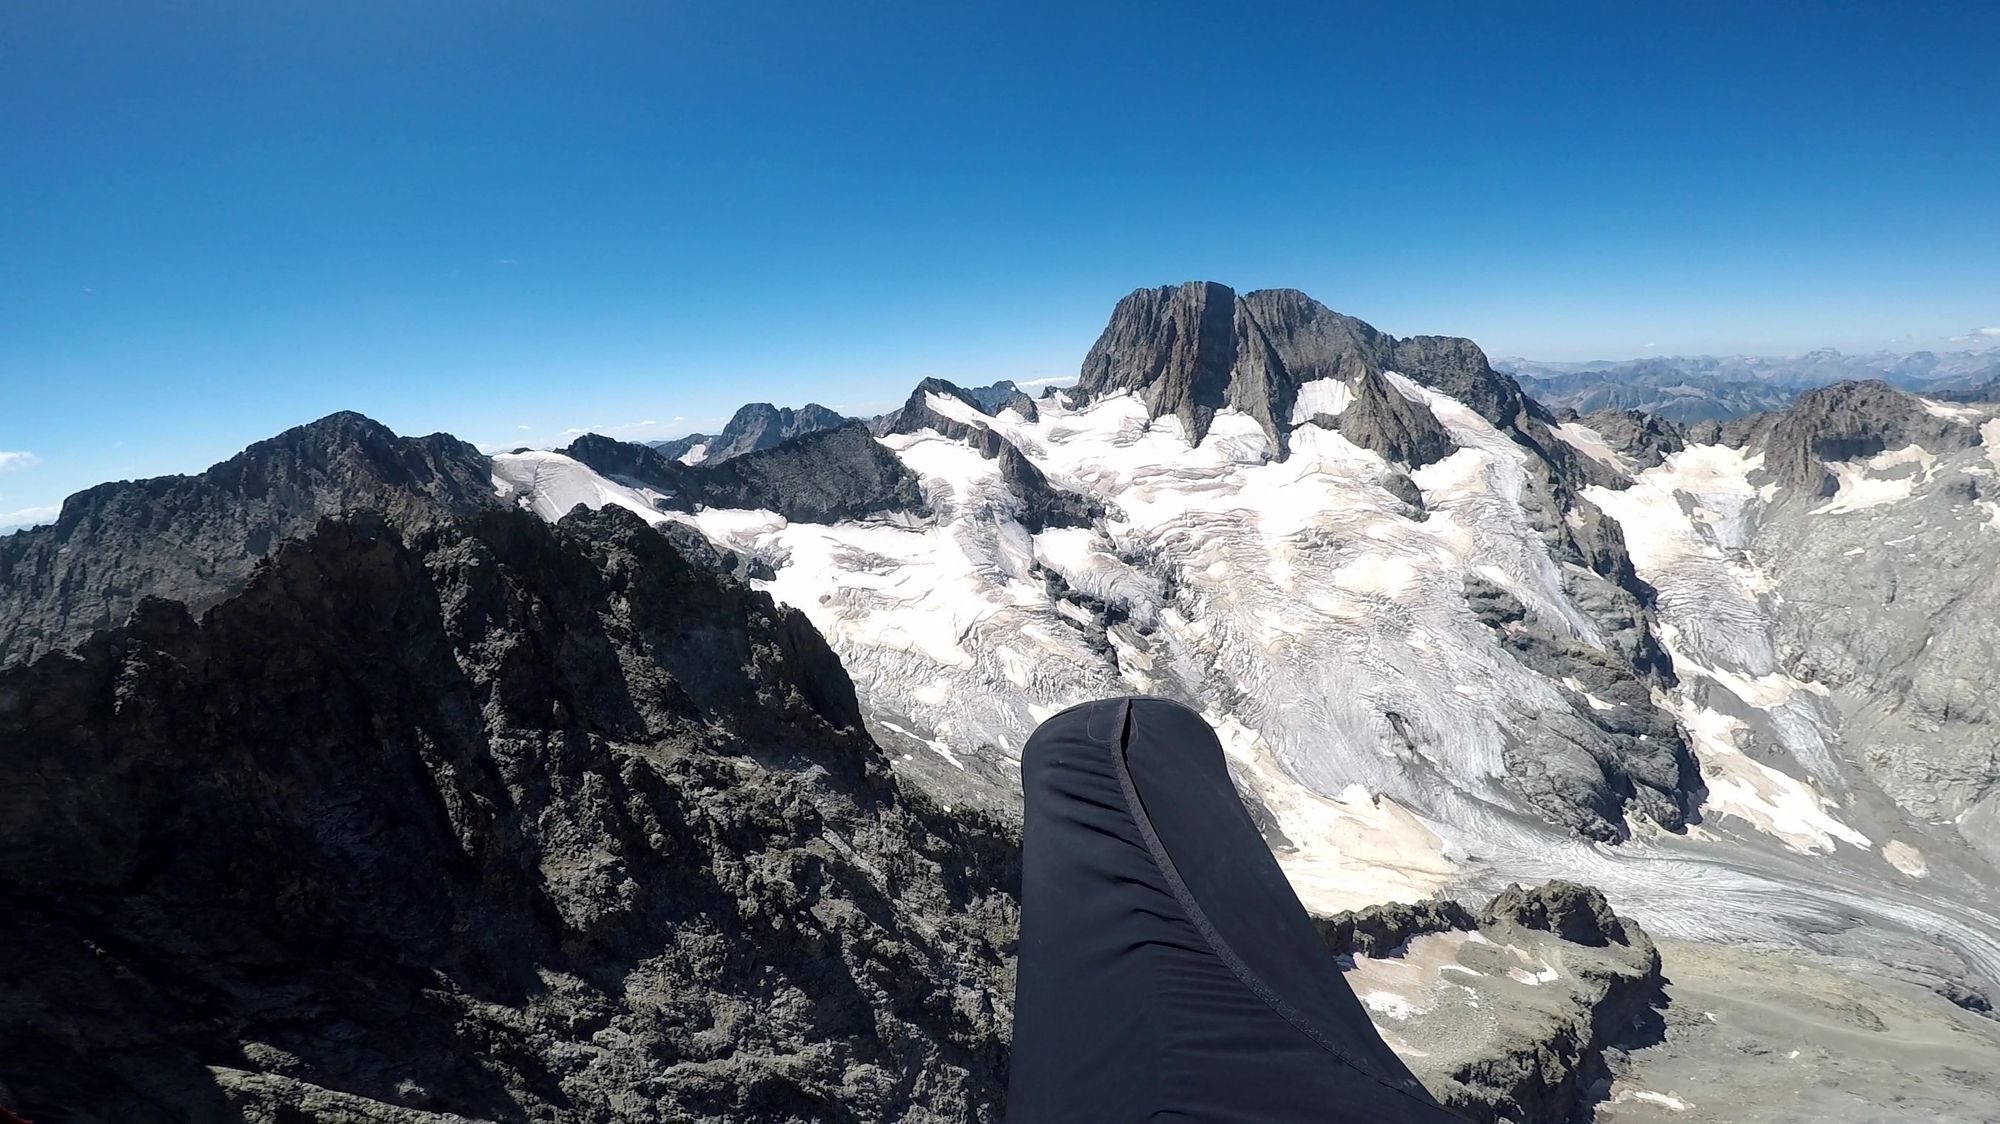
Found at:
<point>1004,395</point>
<point>1575,912</point>
<point>1190,350</point>
<point>1382,420</point>
<point>1521,1024</point>
<point>1382,930</point>
<point>1614,749</point>
<point>1848,421</point>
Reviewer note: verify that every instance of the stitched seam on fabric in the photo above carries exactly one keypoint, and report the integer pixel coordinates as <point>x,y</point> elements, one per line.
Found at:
<point>1220,947</point>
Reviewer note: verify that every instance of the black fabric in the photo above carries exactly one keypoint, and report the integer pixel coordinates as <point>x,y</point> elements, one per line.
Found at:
<point>1167,971</point>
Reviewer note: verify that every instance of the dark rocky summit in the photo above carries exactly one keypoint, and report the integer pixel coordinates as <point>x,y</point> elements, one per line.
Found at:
<point>821,477</point>
<point>1190,350</point>
<point>1849,421</point>
<point>482,817</point>
<point>195,538</point>
<point>916,414</point>
<point>758,425</point>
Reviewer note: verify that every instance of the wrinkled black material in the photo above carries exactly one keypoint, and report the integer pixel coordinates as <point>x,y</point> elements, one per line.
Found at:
<point>1167,971</point>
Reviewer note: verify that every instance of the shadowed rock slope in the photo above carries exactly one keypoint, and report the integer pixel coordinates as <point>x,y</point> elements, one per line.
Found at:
<point>490,818</point>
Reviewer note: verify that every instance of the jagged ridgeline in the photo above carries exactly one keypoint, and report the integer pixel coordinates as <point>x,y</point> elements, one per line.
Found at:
<point>440,808</point>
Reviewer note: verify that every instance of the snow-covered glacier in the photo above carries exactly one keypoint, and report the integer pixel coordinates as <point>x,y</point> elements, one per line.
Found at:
<point>1413,675</point>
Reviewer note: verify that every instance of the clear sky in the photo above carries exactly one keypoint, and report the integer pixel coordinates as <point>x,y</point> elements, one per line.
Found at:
<point>508,220</point>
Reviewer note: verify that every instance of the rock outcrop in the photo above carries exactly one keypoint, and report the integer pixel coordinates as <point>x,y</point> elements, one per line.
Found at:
<point>1511,1014</point>
<point>1004,395</point>
<point>1614,749</point>
<point>1381,420</point>
<point>484,819</point>
<point>1647,440</point>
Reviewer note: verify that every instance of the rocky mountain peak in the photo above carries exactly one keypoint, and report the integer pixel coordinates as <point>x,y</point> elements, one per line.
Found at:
<point>196,538</point>
<point>1852,420</point>
<point>818,477</point>
<point>492,819</point>
<point>1190,350</point>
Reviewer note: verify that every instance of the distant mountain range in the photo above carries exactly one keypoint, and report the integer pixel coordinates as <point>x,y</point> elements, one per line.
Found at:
<point>1687,389</point>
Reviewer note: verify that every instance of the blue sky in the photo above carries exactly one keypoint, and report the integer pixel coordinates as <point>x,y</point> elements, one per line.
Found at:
<point>508,220</point>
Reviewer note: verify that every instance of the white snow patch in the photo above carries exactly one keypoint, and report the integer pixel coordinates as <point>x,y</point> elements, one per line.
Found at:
<point>551,485</point>
<point>1646,1096</point>
<point>695,454</point>
<point>1770,801</point>
<point>1389,1005</point>
<point>1590,443</point>
<point>1321,397</point>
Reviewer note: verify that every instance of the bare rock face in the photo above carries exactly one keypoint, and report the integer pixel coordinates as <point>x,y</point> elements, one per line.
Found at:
<point>1380,419</point>
<point>196,538</point>
<point>488,819</point>
<point>1848,421</point>
<point>1615,751</point>
<point>1004,395</point>
<point>1575,912</point>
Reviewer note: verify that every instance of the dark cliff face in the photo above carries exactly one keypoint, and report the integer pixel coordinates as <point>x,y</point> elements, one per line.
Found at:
<point>1382,420</point>
<point>1852,420</point>
<point>1190,350</point>
<point>487,817</point>
<point>821,477</point>
<point>196,538</point>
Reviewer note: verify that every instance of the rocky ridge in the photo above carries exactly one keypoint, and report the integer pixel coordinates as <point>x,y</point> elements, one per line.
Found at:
<point>817,477</point>
<point>758,425</point>
<point>195,539</point>
<point>485,819</point>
